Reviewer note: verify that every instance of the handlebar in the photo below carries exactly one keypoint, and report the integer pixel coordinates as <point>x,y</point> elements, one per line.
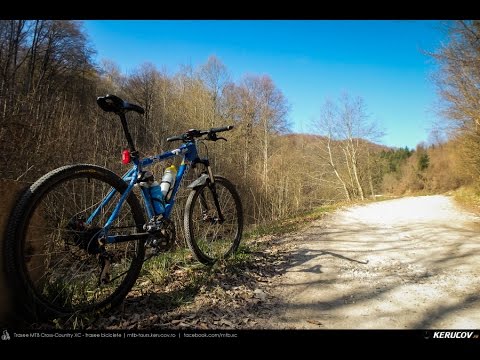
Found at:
<point>193,133</point>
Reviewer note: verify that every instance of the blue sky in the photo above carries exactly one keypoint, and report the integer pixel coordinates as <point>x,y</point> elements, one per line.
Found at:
<point>381,61</point>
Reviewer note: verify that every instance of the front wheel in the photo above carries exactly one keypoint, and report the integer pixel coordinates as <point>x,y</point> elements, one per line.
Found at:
<point>210,235</point>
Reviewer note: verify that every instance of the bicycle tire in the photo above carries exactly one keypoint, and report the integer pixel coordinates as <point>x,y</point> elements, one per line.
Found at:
<point>29,289</point>
<point>192,222</point>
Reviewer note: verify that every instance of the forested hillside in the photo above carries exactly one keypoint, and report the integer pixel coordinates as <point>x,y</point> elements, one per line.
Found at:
<point>49,117</point>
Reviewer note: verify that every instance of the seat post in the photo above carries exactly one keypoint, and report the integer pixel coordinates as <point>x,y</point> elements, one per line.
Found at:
<point>127,133</point>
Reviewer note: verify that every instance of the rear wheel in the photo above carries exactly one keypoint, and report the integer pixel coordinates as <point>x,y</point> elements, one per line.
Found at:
<point>210,238</point>
<point>55,258</point>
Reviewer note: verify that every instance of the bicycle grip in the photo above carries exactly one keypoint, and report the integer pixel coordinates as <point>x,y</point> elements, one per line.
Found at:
<point>223,128</point>
<point>175,138</point>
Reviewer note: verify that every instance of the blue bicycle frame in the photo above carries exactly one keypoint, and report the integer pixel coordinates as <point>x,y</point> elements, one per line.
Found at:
<point>189,153</point>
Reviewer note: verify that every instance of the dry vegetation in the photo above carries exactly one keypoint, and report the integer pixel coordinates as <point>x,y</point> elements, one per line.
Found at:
<point>49,117</point>
<point>451,160</point>
<point>48,85</point>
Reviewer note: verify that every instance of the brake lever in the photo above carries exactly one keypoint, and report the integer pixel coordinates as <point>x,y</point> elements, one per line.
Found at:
<point>213,137</point>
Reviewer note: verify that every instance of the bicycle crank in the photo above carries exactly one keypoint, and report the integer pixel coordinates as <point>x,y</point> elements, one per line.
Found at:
<point>162,235</point>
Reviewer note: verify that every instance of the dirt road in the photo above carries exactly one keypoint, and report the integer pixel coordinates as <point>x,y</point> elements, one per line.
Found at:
<point>410,263</point>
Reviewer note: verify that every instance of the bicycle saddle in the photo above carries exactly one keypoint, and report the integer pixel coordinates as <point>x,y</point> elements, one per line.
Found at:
<point>112,103</point>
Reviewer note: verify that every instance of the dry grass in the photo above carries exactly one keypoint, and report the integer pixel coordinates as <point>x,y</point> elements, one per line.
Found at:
<point>468,197</point>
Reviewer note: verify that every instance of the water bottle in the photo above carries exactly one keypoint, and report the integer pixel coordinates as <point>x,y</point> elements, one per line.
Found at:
<point>168,180</point>
<point>148,182</point>
<point>156,196</point>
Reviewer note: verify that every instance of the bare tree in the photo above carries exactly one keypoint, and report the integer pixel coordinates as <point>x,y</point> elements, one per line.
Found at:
<point>215,76</point>
<point>346,129</point>
<point>458,85</point>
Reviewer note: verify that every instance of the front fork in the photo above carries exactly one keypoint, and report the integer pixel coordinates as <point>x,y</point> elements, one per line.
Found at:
<point>203,201</point>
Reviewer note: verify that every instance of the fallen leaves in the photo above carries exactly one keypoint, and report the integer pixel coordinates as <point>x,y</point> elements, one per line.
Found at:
<point>232,296</point>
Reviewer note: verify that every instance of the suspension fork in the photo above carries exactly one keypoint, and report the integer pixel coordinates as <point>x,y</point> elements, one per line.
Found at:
<point>212,186</point>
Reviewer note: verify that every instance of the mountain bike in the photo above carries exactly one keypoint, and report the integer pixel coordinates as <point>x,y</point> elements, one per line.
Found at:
<point>77,238</point>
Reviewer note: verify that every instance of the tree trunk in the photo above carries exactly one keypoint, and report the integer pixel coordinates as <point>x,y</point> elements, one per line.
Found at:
<point>332,164</point>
